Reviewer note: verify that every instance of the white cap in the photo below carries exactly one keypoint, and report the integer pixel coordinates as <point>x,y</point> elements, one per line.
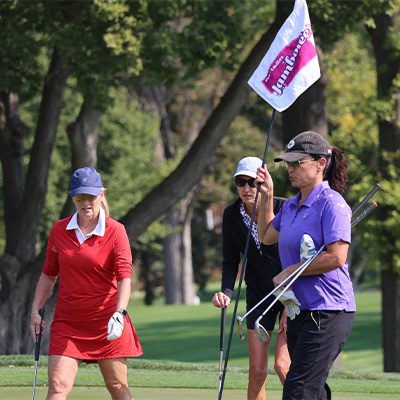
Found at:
<point>248,166</point>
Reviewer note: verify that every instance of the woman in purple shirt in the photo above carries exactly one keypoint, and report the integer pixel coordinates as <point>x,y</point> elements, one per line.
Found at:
<point>317,335</point>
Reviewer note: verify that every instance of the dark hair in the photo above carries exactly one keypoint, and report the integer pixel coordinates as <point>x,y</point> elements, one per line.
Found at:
<point>336,170</point>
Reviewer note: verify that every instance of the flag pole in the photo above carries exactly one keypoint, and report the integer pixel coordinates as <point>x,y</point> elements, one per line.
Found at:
<point>244,263</point>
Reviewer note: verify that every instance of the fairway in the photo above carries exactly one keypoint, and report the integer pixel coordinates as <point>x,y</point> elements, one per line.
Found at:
<point>85,393</point>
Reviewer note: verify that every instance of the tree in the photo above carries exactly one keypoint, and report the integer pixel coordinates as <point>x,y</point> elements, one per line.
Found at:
<point>106,37</point>
<point>20,258</point>
<point>58,29</point>
<point>384,36</point>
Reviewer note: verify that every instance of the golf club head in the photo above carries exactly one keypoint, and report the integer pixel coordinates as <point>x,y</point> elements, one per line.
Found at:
<point>240,328</point>
<point>261,332</point>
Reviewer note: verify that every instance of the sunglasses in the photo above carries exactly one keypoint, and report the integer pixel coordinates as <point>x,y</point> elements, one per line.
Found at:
<point>83,197</point>
<point>241,182</point>
<point>296,164</point>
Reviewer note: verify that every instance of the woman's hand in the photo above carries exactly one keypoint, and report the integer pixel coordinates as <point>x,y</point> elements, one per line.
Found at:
<point>264,180</point>
<point>221,300</point>
<point>35,324</point>
<point>278,279</point>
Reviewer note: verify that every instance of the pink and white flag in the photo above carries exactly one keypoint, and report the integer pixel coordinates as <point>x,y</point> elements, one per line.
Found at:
<point>291,64</point>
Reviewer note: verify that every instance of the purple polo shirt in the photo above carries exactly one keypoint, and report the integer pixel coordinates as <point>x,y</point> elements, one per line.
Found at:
<point>326,217</point>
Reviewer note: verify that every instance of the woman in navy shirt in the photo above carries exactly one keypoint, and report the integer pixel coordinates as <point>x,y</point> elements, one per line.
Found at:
<point>317,335</point>
<point>262,265</point>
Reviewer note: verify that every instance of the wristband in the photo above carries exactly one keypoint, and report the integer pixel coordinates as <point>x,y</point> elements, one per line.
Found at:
<point>122,311</point>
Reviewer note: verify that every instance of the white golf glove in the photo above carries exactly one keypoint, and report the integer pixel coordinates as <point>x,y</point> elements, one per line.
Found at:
<point>289,300</point>
<point>115,326</point>
<point>307,247</point>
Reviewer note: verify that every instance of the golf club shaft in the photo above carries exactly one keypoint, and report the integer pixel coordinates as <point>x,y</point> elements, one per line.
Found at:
<point>221,344</point>
<point>265,298</point>
<point>295,274</point>
<point>364,201</point>
<point>278,287</point>
<point>34,380</point>
<point>244,262</point>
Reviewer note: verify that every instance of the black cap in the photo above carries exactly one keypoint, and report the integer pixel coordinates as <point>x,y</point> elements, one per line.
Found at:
<point>303,144</point>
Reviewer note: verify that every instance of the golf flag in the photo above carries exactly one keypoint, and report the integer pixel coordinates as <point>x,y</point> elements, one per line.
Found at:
<point>291,64</point>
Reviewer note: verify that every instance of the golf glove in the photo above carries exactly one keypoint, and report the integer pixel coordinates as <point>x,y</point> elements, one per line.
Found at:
<point>307,247</point>
<point>289,300</point>
<point>115,326</point>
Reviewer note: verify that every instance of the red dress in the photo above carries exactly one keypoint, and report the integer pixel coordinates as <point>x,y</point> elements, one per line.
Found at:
<point>88,294</point>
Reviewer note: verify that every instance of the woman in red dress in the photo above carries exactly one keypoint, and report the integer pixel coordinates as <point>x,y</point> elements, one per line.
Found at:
<point>91,255</point>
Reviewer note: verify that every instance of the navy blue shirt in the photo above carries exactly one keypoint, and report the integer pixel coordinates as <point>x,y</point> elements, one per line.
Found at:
<point>262,265</point>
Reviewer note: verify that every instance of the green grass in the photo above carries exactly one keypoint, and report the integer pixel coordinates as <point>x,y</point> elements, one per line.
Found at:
<point>80,393</point>
<point>191,334</point>
<point>181,346</point>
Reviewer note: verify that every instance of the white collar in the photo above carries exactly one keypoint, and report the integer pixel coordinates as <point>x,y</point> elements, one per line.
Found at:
<point>100,228</point>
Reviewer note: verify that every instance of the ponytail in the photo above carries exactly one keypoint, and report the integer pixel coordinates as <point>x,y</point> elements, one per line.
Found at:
<point>336,171</point>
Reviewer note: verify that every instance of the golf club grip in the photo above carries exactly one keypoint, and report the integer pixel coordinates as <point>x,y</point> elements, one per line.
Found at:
<point>222,331</point>
<point>39,335</point>
<point>364,213</point>
<point>364,201</point>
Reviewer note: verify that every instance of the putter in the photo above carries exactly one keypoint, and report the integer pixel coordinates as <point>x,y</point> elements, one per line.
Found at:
<point>221,346</point>
<point>37,351</point>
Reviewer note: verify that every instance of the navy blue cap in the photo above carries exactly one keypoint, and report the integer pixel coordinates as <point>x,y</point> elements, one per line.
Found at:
<point>85,180</point>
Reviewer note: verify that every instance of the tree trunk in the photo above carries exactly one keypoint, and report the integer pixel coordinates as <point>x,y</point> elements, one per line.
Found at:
<point>172,259</point>
<point>18,267</point>
<point>83,137</point>
<point>147,277</point>
<point>38,169</point>
<point>179,288</point>
<point>188,289</point>
<point>388,70</point>
<point>12,134</point>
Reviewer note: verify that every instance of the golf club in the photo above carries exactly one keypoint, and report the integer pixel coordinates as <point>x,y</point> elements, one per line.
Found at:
<point>364,201</point>
<point>37,351</point>
<point>244,263</point>
<point>260,331</point>
<point>239,319</point>
<point>221,345</point>
<point>364,213</point>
